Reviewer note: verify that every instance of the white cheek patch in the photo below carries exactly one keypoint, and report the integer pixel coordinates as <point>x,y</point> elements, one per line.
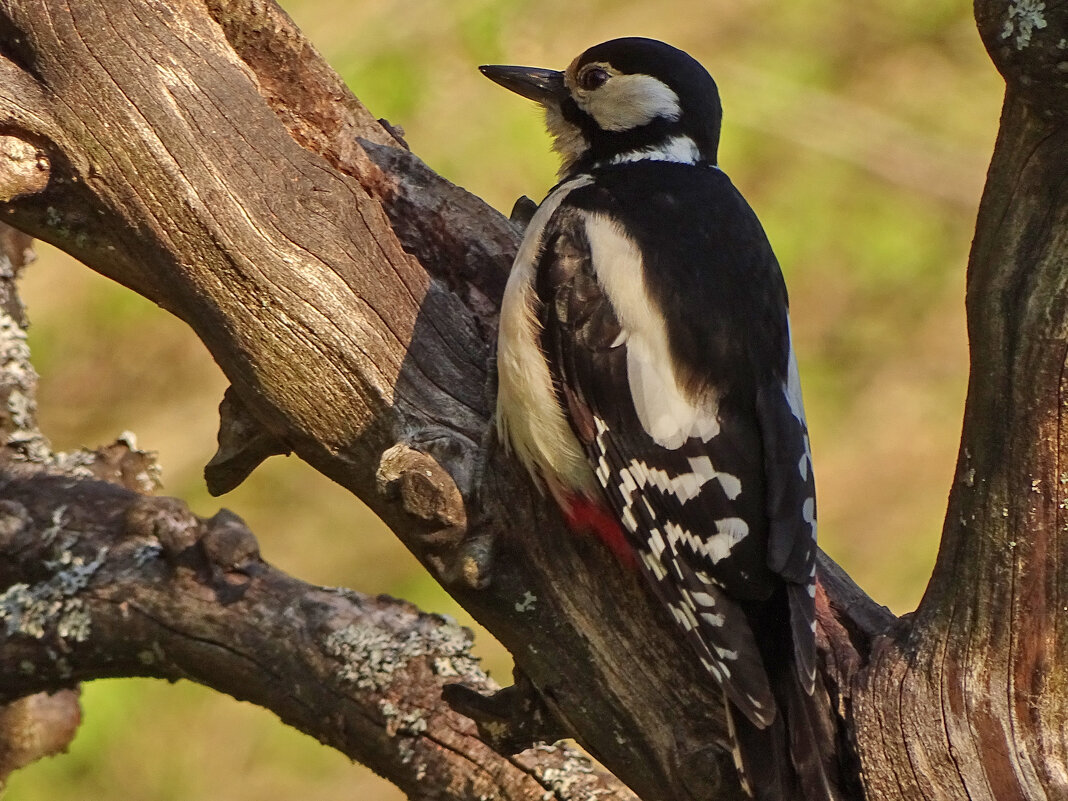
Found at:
<point>629,101</point>
<point>668,415</point>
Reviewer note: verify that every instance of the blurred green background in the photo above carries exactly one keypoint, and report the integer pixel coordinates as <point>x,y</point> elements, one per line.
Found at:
<point>860,132</point>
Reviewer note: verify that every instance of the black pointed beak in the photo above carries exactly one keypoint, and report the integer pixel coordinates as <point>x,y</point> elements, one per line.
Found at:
<point>542,86</point>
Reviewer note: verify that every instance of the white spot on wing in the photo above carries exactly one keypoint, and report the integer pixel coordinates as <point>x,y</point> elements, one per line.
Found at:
<point>602,471</point>
<point>684,486</point>
<point>712,668</point>
<point>702,466</point>
<point>732,485</point>
<point>684,616</point>
<point>654,565</point>
<point>724,653</point>
<point>729,532</point>
<point>713,619</point>
<point>656,542</point>
<point>703,599</point>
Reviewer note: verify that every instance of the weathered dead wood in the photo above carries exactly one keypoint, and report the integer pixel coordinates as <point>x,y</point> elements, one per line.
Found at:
<point>101,580</point>
<point>40,725</point>
<point>969,700</point>
<point>104,582</point>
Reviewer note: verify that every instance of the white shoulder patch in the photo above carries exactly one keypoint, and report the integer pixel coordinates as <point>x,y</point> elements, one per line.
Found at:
<point>667,414</point>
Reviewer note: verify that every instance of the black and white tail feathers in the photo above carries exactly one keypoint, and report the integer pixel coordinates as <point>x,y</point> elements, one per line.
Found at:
<point>795,758</point>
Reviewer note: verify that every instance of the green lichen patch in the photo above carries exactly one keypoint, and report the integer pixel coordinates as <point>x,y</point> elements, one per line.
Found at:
<point>566,780</point>
<point>372,655</point>
<point>52,605</point>
<point>18,409</point>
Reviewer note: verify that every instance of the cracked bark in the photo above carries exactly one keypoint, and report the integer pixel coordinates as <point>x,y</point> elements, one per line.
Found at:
<point>349,294</point>
<point>101,580</point>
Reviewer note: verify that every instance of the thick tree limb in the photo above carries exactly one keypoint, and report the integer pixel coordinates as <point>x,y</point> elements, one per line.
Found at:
<point>104,582</point>
<point>969,700</point>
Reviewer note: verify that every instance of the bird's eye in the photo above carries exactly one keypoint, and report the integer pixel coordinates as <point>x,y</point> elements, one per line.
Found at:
<point>592,78</point>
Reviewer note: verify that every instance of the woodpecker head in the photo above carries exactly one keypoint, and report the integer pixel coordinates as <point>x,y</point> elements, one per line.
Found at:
<point>624,100</point>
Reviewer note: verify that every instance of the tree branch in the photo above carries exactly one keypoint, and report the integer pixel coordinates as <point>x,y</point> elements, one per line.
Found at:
<point>41,725</point>
<point>983,656</point>
<point>349,294</point>
<point>105,582</point>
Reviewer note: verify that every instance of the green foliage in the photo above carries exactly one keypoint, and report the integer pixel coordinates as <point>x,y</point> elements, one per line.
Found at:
<point>859,132</point>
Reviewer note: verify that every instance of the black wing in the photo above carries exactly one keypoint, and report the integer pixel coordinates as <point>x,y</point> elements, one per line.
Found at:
<point>711,514</point>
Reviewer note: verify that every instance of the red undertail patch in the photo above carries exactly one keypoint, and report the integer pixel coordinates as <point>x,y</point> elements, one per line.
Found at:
<point>589,517</point>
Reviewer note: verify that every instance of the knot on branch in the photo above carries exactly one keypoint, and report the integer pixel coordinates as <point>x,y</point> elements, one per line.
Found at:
<point>229,544</point>
<point>24,168</point>
<point>222,546</point>
<point>1028,42</point>
<point>427,491</point>
<point>121,463</point>
<point>510,720</point>
<point>167,520</point>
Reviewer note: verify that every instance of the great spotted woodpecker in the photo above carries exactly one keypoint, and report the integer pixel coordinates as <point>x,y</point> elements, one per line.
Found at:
<point>648,381</point>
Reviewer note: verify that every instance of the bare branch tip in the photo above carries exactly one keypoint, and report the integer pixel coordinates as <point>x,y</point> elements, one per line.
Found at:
<point>425,489</point>
<point>244,444</point>
<point>35,727</point>
<point>24,168</point>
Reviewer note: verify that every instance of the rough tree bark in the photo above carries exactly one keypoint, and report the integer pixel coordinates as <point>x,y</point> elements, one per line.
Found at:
<point>201,153</point>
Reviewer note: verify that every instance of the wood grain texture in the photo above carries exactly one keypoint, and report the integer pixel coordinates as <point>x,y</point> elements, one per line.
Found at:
<point>101,580</point>
<point>968,700</point>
